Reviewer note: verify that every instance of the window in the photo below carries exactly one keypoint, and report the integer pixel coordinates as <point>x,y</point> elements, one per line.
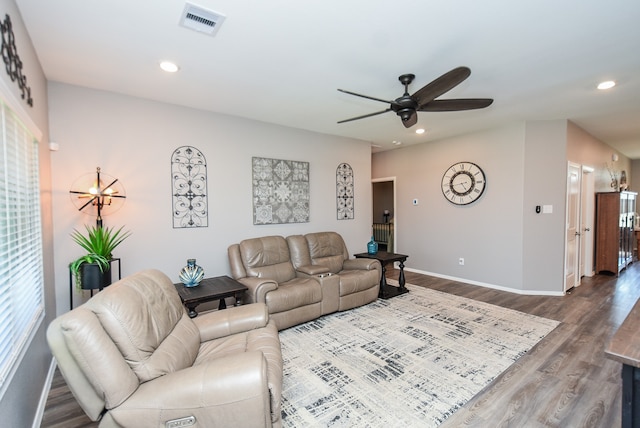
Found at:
<point>21,266</point>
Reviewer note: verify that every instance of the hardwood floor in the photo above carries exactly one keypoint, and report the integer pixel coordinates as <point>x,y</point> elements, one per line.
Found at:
<point>565,381</point>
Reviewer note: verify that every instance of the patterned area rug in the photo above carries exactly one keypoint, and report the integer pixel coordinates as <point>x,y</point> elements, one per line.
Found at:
<point>410,361</point>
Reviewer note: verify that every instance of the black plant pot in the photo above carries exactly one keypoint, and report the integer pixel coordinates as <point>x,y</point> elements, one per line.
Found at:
<point>92,278</point>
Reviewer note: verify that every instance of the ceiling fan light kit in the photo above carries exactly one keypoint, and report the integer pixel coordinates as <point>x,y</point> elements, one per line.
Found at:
<point>407,106</point>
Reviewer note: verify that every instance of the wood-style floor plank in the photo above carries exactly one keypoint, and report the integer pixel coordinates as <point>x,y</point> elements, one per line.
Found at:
<point>565,381</point>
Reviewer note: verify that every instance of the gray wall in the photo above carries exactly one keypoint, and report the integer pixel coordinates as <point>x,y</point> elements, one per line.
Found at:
<point>133,139</point>
<point>545,178</point>
<point>504,242</point>
<point>585,149</point>
<point>18,406</point>
<point>488,234</point>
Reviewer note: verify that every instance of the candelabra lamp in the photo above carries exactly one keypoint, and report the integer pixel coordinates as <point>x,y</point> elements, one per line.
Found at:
<point>97,194</point>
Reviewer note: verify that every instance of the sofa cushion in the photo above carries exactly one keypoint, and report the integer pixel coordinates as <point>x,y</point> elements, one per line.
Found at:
<point>328,249</point>
<point>294,294</point>
<point>92,357</point>
<point>145,318</point>
<point>263,339</point>
<point>354,281</point>
<point>267,257</point>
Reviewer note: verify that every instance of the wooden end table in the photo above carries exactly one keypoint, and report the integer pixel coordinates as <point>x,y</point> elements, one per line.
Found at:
<point>388,291</point>
<point>209,289</point>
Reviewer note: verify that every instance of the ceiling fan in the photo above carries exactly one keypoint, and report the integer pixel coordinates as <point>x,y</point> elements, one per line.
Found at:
<point>424,99</point>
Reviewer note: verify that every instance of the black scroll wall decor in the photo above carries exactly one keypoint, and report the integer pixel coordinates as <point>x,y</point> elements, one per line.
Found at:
<point>12,61</point>
<point>189,188</point>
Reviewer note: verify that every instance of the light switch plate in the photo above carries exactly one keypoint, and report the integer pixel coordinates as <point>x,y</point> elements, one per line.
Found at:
<point>547,209</point>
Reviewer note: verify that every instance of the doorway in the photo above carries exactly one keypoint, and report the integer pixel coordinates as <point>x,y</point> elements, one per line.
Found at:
<point>572,238</point>
<point>579,242</point>
<point>384,207</point>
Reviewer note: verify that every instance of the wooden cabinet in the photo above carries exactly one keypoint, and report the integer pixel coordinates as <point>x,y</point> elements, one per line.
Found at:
<point>615,213</point>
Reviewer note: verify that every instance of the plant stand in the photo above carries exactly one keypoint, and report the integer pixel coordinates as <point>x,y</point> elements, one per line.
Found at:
<point>117,259</point>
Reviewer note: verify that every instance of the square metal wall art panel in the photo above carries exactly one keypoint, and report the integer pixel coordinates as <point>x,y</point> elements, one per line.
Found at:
<point>280,191</point>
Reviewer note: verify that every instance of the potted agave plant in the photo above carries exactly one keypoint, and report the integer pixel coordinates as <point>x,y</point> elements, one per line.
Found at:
<point>93,270</point>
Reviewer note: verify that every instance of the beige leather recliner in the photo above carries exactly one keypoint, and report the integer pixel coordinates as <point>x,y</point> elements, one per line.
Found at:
<point>297,287</point>
<point>132,357</point>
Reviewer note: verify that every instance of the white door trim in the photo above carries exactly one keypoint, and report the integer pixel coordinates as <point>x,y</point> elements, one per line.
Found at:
<point>395,208</point>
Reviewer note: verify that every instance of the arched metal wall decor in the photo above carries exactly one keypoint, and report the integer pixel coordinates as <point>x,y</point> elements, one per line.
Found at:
<point>189,188</point>
<point>345,192</point>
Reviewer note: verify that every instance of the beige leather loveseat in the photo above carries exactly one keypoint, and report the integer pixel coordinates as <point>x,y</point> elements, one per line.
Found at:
<point>303,277</point>
<point>133,358</point>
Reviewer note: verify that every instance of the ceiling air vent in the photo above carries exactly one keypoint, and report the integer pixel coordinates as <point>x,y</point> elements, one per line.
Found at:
<point>201,20</point>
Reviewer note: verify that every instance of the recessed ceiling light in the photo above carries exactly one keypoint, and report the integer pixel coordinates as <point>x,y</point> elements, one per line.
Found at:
<point>419,131</point>
<point>169,67</point>
<point>607,84</point>
<point>396,143</point>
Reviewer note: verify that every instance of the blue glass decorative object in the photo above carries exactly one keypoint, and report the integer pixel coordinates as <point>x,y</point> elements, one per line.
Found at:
<point>372,246</point>
<point>191,274</point>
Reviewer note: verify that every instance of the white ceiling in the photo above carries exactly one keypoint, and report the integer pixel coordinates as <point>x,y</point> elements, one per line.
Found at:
<point>281,61</point>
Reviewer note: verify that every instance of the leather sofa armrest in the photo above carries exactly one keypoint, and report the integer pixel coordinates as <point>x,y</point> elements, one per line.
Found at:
<point>237,319</point>
<point>312,270</point>
<point>229,391</point>
<point>257,288</point>
<point>361,264</point>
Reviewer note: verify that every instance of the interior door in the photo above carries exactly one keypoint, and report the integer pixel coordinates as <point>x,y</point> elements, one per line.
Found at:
<point>587,210</point>
<point>572,275</point>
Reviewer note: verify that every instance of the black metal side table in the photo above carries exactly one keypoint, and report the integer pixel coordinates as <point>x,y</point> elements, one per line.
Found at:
<point>217,288</point>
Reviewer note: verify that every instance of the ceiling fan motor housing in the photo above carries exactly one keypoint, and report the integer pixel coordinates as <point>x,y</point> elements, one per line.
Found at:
<point>405,107</point>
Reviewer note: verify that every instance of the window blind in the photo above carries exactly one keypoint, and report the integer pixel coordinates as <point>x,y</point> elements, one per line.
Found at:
<point>21,265</point>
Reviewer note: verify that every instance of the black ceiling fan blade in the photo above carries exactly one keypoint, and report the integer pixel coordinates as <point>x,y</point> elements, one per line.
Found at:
<point>366,115</point>
<point>456,104</point>
<point>365,96</point>
<point>442,84</point>
<point>412,120</point>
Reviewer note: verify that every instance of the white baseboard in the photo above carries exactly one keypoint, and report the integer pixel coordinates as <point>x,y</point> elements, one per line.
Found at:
<point>486,285</point>
<point>37,420</point>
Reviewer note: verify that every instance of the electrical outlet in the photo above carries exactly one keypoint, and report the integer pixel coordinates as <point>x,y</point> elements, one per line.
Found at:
<point>461,261</point>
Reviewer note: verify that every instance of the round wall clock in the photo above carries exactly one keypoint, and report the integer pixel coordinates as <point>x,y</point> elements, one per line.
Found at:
<point>463,183</point>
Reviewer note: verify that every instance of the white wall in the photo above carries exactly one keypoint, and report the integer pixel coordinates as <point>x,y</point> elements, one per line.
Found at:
<point>488,234</point>
<point>133,139</point>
